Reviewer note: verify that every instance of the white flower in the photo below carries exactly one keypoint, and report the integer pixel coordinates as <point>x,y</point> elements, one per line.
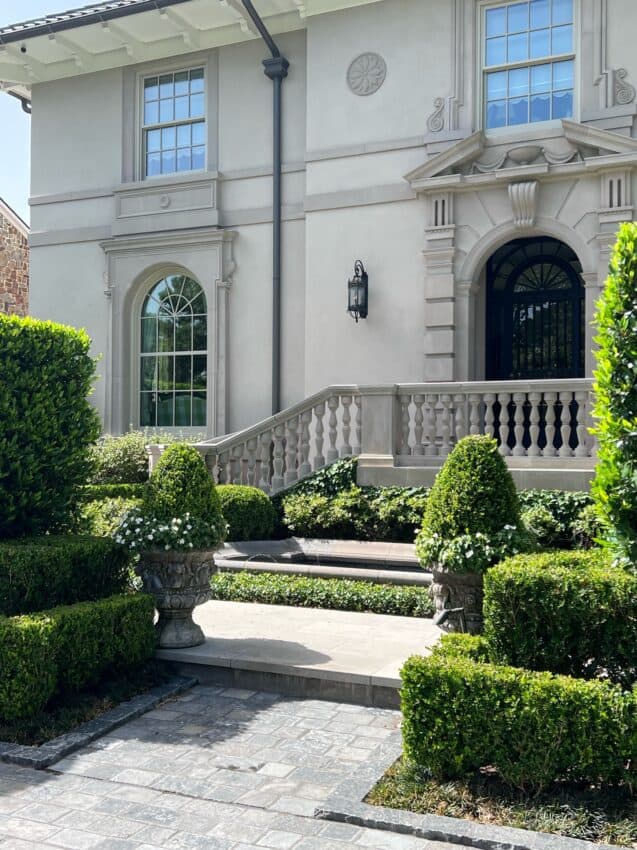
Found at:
<point>166,547</point>
<point>190,544</point>
<point>181,540</point>
<point>133,544</point>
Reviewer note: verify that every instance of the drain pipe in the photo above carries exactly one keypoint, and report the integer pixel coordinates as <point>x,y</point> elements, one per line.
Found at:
<point>276,69</point>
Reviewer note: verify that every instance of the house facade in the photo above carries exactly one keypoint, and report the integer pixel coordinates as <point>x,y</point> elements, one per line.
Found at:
<point>14,262</point>
<point>476,155</point>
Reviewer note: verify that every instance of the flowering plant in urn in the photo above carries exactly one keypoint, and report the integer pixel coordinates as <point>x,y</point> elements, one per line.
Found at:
<point>471,521</point>
<point>175,533</point>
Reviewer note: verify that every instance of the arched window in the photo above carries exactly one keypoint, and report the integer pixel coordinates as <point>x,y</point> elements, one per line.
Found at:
<point>173,354</point>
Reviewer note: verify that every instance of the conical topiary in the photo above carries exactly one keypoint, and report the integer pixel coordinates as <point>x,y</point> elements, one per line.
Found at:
<point>473,492</point>
<point>180,484</point>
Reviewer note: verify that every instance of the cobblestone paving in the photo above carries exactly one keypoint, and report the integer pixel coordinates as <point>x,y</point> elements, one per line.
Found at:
<point>213,769</point>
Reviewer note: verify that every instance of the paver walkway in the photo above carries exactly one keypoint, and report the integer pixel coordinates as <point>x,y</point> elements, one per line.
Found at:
<point>213,769</point>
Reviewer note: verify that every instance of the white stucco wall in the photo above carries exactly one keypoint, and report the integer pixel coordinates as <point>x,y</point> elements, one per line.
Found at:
<point>345,197</point>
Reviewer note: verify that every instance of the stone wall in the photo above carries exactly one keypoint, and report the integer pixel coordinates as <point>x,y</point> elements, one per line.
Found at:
<point>14,267</point>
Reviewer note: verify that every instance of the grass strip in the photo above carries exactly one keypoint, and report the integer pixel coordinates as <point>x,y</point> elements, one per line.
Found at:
<point>334,593</point>
<point>601,815</point>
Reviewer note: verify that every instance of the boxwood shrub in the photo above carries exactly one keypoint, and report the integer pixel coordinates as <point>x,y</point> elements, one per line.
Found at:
<point>552,514</point>
<point>534,728</point>
<point>337,594</point>
<point>38,573</point>
<point>248,511</point>
<point>68,648</point>
<point>95,492</point>
<point>47,424</point>
<point>104,516</point>
<point>121,460</point>
<point>568,612</point>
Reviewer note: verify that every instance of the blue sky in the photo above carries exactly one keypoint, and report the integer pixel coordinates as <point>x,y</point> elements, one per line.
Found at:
<point>14,140</point>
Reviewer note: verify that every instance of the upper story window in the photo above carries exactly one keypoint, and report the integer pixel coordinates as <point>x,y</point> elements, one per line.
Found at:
<point>174,124</point>
<point>529,62</point>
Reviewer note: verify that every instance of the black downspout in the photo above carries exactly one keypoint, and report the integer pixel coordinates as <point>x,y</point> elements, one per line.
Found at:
<point>276,69</point>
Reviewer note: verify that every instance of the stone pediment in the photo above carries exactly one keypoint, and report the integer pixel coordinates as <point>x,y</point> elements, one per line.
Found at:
<point>578,147</point>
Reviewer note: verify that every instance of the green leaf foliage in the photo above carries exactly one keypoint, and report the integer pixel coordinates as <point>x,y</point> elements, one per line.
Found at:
<point>95,492</point>
<point>41,572</point>
<point>615,484</point>
<point>180,484</point>
<point>533,727</point>
<point>63,650</point>
<point>338,594</point>
<point>562,506</point>
<point>248,511</point>
<point>103,517</point>
<point>121,460</point>
<point>46,423</point>
<point>473,492</point>
<point>567,612</point>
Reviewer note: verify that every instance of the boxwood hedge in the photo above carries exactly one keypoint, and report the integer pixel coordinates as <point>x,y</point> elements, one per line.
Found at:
<point>68,648</point>
<point>41,572</point>
<point>249,513</point>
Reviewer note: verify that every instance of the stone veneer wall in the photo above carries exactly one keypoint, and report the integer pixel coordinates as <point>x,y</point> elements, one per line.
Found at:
<point>14,269</point>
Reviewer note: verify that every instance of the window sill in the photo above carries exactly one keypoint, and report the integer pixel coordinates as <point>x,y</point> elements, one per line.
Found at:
<point>526,132</point>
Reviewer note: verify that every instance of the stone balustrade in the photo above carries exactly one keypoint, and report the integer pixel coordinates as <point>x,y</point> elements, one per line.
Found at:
<point>398,429</point>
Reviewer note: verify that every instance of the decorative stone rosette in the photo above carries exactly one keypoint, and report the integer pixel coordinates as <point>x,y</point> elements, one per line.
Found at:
<point>458,590</point>
<point>178,581</point>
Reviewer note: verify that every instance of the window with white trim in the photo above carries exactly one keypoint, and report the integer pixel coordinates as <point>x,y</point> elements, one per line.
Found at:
<point>173,354</point>
<point>528,62</point>
<point>174,122</point>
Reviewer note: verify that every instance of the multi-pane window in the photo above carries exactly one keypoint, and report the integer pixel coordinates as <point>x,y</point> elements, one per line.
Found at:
<point>529,62</point>
<point>173,365</point>
<point>174,125</point>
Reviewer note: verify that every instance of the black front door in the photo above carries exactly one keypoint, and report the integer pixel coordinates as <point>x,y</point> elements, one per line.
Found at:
<point>535,312</point>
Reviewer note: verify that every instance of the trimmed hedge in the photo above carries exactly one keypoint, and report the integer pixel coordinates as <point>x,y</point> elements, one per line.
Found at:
<point>248,511</point>
<point>567,612</point>
<point>47,424</point>
<point>97,492</point>
<point>104,516</point>
<point>68,648</point>
<point>333,593</point>
<point>552,514</point>
<point>42,572</point>
<point>462,645</point>
<point>534,728</point>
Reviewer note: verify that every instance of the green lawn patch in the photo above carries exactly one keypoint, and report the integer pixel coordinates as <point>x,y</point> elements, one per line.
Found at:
<point>335,593</point>
<point>65,712</point>
<point>606,815</point>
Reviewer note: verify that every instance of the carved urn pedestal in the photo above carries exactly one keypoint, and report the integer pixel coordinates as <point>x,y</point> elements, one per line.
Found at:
<point>458,599</point>
<point>179,581</point>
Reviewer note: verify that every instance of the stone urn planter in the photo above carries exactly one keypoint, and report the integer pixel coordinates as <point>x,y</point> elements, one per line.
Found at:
<point>179,581</point>
<point>458,599</point>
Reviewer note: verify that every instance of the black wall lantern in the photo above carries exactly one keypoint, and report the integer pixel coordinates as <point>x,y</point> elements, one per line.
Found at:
<point>357,292</point>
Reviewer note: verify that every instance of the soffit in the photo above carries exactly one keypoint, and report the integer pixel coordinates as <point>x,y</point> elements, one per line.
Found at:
<point>125,32</point>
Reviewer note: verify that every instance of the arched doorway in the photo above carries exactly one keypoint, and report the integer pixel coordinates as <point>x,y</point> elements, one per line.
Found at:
<point>535,312</point>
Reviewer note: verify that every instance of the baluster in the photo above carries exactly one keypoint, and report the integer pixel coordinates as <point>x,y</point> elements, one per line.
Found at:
<point>460,418</point>
<point>358,422</point>
<point>346,448</point>
<point>238,455</point>
<point>489,414</point>
<point>419,448</point>
<point>549,449</point>
<point>319,458</point>
<point>503,426</point>
<point>535,399</point>
<point>266,446</point>
<point>590,421</point>
<point>519,400</point>
<point>445,425</point>
<point>581,397</point>
<point>212,461</point>
<point>565,424</point>
<point>305,467</point>
<point>251,446</point>
<point>225,468</point>
<point>405,401</point>
<point>332,426</point>
<point>474,414</point>
<point>292,443</point>
<point>277,479</point>
<point>430,425</point>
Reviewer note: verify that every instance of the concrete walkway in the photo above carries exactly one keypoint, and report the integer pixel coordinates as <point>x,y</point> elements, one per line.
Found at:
<point>213,769</point>
<point>333,647</point>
